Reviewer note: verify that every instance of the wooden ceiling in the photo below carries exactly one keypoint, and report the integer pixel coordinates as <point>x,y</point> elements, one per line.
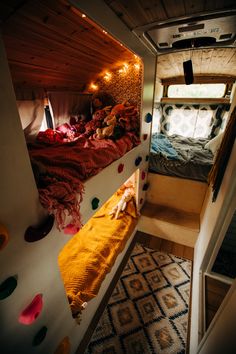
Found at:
<point>210,62</point>
<point>218,63</point>
<point>49,44</point>
<point>136,13</point>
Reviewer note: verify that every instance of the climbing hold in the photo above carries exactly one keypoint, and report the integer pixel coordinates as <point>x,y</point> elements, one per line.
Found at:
<point>145,186</point>
<point>39,336</point>
<point>145,136</point>
<point>3,236</point>
<point>148,118</point>
<point>33,234</point>
<point>141,201</point>
<point>32,311</point>
<point>147,158</point>
<point>95,203</point>
<point>138,160</point>
<point>143,175</point>
<point>64,346</point>
<point>7,287</point>
<point>121,167</point>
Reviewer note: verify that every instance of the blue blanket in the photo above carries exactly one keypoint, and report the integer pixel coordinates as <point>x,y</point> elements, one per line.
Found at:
<point>161,144</point>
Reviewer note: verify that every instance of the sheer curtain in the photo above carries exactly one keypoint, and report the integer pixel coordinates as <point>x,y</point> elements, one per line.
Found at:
<point>32,117</point>
<point>64,104</point>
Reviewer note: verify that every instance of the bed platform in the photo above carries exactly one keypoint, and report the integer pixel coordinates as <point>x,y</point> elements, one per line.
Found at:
<point>180,157</point>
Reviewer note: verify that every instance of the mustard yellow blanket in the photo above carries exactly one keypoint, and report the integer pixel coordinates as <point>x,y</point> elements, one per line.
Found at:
<point>90,254</point>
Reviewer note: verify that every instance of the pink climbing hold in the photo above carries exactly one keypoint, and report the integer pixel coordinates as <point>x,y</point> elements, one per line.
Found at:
<point>32,311</point>
<point>143,175</point>
<point>121,167</point>
<point>145,136</point>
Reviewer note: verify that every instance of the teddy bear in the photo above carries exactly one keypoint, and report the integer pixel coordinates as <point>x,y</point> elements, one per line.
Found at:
<point>121,205</point>
<point>107,131</point>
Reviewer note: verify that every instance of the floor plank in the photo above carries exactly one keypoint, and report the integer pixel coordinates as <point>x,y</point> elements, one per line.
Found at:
<point>163,245</point>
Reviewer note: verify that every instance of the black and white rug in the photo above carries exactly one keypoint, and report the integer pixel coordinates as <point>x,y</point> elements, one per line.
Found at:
<point>148,310</point>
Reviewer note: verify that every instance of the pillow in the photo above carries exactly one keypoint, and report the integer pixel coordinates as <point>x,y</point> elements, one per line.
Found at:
<point>214,144</point>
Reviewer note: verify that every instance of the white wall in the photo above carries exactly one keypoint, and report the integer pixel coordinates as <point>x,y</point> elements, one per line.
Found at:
<point>211,223</point>
<point>221,337</point>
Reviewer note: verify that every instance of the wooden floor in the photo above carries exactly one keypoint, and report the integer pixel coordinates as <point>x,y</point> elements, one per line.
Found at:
<point>165,245</point>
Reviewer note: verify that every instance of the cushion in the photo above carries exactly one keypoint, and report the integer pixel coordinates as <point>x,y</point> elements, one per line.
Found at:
<point>214,144</point>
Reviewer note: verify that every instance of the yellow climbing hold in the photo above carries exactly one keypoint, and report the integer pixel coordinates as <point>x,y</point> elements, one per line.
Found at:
<point>63,347</point>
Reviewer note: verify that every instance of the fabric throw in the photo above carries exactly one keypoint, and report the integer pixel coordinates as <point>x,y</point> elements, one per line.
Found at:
<point>60,170</point>
<point>148,310</point>
<point>160,143</point>
<point>90,254</point>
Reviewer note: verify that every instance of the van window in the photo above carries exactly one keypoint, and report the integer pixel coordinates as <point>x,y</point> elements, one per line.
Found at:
<point>197,91</point>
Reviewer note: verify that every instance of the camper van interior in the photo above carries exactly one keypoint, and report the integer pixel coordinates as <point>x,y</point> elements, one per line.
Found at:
<point>118,176</point>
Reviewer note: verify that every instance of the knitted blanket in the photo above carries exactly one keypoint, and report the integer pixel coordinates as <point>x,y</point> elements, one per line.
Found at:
<point>60,169</point>
<point>90,254</point>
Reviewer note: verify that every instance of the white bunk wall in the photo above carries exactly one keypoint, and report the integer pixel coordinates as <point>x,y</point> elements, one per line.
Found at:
<point>35,264</point>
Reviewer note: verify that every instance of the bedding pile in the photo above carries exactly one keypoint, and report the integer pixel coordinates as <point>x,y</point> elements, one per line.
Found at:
<point>90,254</point>
<point>65,157</point>
<point>180,156</point>
<point>60,170</point>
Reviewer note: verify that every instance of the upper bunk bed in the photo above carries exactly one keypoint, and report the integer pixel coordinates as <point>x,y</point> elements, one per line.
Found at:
<point>50,69</point>
<point>63,158</point>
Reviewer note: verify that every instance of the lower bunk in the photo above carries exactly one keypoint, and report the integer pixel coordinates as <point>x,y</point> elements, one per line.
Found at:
<point>90,260</point>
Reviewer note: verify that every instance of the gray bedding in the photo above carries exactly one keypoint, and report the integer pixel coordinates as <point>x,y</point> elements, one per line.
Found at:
<point>192,161</point>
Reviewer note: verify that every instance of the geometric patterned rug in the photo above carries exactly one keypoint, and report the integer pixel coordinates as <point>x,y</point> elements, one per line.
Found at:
<point>148,309</point>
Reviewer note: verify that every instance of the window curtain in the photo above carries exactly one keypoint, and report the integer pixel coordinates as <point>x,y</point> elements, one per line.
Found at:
<point>195,121</point>
<point>32,117</point>
<point>65,104</point>
<point>218,169</point>
<point>220,119</point>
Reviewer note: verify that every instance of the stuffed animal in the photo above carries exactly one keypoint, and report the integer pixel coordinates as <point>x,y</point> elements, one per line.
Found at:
<point>121,205</point>
<point>108,130</point>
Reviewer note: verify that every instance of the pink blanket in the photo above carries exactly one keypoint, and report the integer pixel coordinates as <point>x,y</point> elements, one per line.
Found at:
<point>59,170</point>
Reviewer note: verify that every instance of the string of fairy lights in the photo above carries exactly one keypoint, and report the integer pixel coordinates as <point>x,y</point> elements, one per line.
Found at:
<point>123,69</point>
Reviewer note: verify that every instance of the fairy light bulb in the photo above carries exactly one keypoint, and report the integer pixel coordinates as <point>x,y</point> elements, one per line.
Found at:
<point>93,86</point>
<point>107,76</point>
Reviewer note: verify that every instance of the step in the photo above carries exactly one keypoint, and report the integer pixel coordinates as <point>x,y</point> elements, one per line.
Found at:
<point>170,223</point>
<point>178,193</point>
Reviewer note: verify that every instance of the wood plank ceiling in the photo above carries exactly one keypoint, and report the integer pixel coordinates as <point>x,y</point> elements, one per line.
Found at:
<point>136,13</point>
<point>211,62</point>
<point>216,63</point>
<point>49,44</point>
